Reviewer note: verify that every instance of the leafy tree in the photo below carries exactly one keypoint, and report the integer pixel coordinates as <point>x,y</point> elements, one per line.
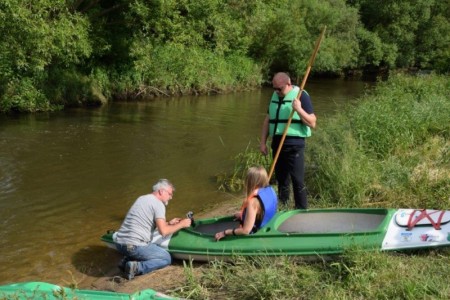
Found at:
<point>290,30</point>
<point>35,36</point>
<point>407,33</point>
<point>433,44</point>
<point>191,46</point>
<point>56,53</point>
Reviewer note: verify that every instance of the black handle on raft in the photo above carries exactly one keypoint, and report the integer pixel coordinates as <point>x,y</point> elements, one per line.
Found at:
<point>190,215</point>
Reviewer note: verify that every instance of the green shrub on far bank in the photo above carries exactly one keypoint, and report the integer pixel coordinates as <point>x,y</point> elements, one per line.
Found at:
<point>390,150</point>
<point>21,95</point>
<point>174,69</point>
<point>72,89</point>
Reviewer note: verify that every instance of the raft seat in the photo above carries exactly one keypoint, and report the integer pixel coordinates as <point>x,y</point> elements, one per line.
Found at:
<point>331,222</point>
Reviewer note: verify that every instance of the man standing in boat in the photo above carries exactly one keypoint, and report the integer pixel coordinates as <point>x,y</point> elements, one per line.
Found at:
<point>290,164</point>
<point>146,220</point>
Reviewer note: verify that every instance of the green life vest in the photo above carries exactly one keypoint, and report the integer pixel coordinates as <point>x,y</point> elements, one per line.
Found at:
<point>279,112</point>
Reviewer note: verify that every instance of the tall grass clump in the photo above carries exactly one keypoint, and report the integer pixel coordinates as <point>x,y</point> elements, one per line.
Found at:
<point>253,278</point>
<point>377,275</point>
<point>234,182</point>
<point>338,173</point>
<point>401,114</point>
<point>389,150</point>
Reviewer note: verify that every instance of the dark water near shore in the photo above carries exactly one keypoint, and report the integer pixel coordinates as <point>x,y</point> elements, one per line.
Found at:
<point>67,177</point>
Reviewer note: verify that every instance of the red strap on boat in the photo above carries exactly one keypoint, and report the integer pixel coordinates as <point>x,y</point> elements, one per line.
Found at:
<point>424,214</point>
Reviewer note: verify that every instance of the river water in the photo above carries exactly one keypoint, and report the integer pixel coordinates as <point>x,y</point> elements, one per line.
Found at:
<point>67,177</point>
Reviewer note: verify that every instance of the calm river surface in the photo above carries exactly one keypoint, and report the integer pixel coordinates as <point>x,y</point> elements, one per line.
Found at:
<point>67,177</point>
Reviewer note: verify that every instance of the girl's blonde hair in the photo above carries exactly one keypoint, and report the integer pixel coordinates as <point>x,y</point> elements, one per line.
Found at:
<point>256,178</point>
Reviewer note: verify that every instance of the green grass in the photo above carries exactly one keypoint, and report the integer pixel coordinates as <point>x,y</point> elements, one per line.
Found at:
<point>354,275</point>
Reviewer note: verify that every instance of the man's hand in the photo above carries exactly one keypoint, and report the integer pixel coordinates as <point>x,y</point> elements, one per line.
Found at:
<point>307,119</point>
<point>166,228</point>
<point>185,222</point>
<point>296,105</point>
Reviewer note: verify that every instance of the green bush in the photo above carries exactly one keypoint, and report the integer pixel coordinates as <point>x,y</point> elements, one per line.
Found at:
<point>23,96</point>
<point>175,69</point>
<point>71,89</point>
<point>36,39</point>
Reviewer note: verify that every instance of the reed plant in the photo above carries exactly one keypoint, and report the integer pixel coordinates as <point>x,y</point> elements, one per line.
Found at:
<point>234,181</point>
<point>174,69</point>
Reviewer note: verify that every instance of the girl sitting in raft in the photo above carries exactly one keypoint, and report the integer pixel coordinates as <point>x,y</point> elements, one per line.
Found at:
<point>259,206</point>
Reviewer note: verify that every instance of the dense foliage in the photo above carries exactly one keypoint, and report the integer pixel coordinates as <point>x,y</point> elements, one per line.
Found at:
<point>56,53</point>
<point>38,39</point>
<point>405,33</point>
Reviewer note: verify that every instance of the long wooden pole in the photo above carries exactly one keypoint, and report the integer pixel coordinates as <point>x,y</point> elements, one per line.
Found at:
<point>305,77</point>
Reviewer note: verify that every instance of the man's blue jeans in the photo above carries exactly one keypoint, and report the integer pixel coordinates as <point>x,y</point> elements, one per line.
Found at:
<point>150,257</point>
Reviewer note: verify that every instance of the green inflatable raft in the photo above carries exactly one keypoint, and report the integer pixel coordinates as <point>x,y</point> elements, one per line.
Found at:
<point>48,291</point>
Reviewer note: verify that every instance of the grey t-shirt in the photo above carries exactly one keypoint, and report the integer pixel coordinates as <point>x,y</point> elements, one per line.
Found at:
<point>140,221</point>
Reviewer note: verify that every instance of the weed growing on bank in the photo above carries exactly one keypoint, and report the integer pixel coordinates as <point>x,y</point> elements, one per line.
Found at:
<point>243,161</point>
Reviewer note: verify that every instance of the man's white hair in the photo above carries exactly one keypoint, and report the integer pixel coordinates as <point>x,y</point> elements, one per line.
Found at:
<point>163,184</point>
